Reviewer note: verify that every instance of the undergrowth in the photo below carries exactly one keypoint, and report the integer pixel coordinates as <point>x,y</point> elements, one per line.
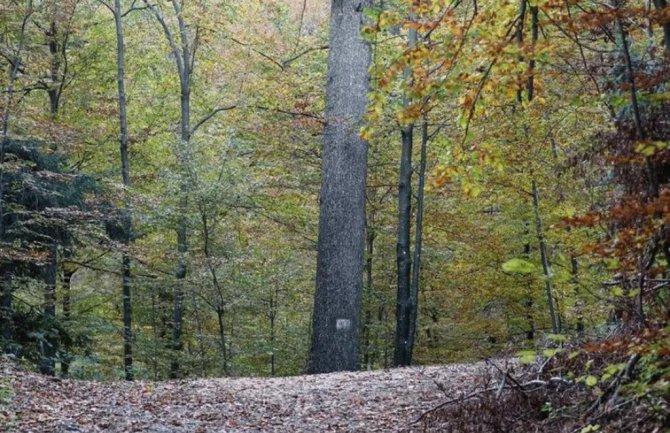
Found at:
<point>619,384</point>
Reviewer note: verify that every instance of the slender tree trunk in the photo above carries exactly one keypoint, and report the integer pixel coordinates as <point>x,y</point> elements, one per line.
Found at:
<point>50,341</point>
<point>519,40</point>
<point>6,310</point>
<point>418,236</point>
<point>653,187</point>
<point>200,334</point>
<point>220,309</point>
<point>546,268</point>
<point>534,29</point>
<point>272,315</point>
<point>66,286</point>
<point>660,5</point>
<point>222,339</point>
<point>50,273</point>
<point>544,258</point>
<point>184,69</point>
<point>341,244</point>
<point>125,173</point>
<point>404,307</point>
<point>53,92</point>
<point>368,358</point>
<point>402,355</point>
<point>637,116</point>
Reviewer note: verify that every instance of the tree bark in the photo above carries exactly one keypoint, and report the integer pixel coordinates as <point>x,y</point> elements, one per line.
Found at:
<point>402,355</point>
<point>341,243</point>
<point>418,236</point>
<point>125,173</point>
<point>66,285</point>
<point>660,5</point>
<point>519,40</point>
<point>546,268</point>
<point>404,306</point>
<point>49,342</point>
<point>368,357</point>
<point>183,161</point>
<point>6,310</point>
<point>539,231</point>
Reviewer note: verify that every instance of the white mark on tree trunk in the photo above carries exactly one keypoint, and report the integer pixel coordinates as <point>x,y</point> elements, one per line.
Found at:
<point>342,324</point>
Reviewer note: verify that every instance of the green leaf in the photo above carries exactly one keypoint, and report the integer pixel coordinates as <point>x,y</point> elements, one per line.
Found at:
<point>551,352</point>
<point>519,266</point>
<point>591,381</point>
<point>574,354</point>
<point>372,13</point>
<point>558,338</point>
<point>527,356</point>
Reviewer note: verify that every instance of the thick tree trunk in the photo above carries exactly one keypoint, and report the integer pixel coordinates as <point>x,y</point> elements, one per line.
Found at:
<point>341,244</point>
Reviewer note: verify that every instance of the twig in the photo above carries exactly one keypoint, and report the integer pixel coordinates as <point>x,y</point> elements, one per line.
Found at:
<point>613,388</point>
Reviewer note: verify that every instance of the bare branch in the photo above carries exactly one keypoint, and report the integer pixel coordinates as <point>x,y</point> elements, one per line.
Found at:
<point>291,113</point>
<point>108,6</point>
<point>210,115</point>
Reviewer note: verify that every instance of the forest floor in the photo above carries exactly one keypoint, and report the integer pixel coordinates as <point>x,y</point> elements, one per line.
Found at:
<point>379,401</point>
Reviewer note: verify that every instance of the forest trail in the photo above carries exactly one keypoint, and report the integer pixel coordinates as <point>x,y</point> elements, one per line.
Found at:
<point>379,401</point>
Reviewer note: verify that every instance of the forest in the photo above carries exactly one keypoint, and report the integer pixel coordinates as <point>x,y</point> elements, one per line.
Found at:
<point>195,189</point>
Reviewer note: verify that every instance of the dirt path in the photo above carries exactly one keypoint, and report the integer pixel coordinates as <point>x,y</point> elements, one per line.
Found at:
<point>384,401</point>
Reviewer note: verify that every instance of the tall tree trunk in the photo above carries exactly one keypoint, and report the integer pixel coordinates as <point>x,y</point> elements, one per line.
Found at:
<point>660,5</point>
<point>5,285</point>
<point>222,339</point>
<point>184,69</point>
<point>200,332</point>
<point>534,33</point>
<point>125,173</point>
<point>368,358</point>
<point>546,267</point>
<point>653,188</point>
<point>341,244</point>
<point>519,40</point>
<point>50,341</point>
<point>53,92</point>
<point>418,236</point>
<point>539,231</point>
<point>402,355</point>
<point>272,316</point>
<point>66,287</point>
<point>404,307</point>
<point>220,308</point>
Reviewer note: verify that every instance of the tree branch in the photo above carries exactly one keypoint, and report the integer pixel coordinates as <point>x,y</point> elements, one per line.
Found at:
<point>210,115</point>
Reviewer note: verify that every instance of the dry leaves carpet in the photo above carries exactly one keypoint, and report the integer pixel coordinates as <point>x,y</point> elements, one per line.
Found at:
<point>382,401</point>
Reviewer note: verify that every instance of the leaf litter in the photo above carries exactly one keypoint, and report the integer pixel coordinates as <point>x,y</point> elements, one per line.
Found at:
<point>377,401</point>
